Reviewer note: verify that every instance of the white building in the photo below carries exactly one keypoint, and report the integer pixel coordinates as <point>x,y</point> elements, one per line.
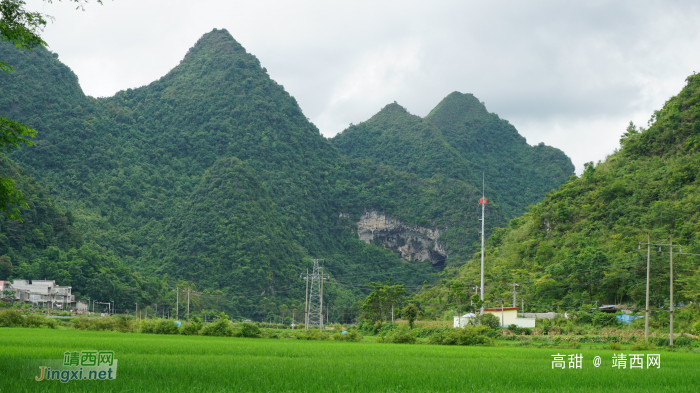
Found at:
<point>41,292</point>
<point>506,315</point>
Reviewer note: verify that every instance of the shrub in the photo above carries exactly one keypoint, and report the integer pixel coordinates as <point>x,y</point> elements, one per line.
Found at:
<point>583,318</point>
<point>190,329</point>
<point>696,328</point>
<point>400,336</point>
<point>166,326</point>
<point>470,335</point>
<point>604,319</point>
<point>642,346</point>
<point>351,336</point>
<point>311,334</point>
<point>615,346</point>
<point>39,320</point>
<point>683,341</point>
<point>220,327</point>
<point>148,326</point>
<point>487,319</point>
<point>10,318</point>
<point>120,324</point>
<point>248,329</point>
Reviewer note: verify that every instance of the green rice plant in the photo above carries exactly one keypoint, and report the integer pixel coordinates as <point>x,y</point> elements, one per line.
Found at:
<point>178,363</point>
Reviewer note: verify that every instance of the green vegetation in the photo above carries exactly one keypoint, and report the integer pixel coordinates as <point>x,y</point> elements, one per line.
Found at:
<point>580,245</point>
<point>212,179</point>
<point>158,363</point>
<point>460,139</point>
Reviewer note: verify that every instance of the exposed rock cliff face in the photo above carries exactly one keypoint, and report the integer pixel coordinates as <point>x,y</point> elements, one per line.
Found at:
<point>410,242</point>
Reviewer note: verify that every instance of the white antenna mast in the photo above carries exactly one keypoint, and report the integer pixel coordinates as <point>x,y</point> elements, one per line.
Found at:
<point>482,202</point>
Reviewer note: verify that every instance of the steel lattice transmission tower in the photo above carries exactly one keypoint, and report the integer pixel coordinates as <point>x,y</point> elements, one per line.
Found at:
<point>314,307</point>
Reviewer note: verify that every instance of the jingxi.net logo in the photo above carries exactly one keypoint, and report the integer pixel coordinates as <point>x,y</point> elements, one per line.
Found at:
<point>77,366</point>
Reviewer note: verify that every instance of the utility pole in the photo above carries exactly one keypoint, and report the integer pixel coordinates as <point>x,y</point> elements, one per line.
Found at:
<point>482,202</point>
<point>502,319</point>
<point>670,337</point>
<point>670,246</point>
<point>136,313</point>
<point>177,304</point>
<point>646,312</point>
<point>188,303</point>
<point>321,307</point>
<point>514,285</point>
<point>306,303</point>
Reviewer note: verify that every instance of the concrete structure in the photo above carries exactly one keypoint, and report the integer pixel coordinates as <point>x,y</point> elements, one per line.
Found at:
<point>42,292</point>
<point>544,315</point>
<point>509,316</point>
<point>506,315</point>
<point>460,322</point>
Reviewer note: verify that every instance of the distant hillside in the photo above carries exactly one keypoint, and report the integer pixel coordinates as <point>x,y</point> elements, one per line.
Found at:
<point>212,174</point>
<point>461,140</point>
<point>580,244</point>
<point>47,244</point>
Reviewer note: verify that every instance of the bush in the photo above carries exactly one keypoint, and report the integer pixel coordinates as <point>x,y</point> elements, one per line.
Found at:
<point>248,329</point>
<point>221,327</point>
<point>191,328</point>
<point>696,328</point>
<point>615,346</point>
<point>119,324</point>
<point>487,319</point>
<point>683,341</point>
<point>604,319</point>
<point>583,318</point>
<point>311,334</point>
<point>401,335</point>
<point>10,318</point>
<point>351,336</point>
<point>370,328</point>
<point>470,335</point>
<point>148,326</point>
<point>642,346</point>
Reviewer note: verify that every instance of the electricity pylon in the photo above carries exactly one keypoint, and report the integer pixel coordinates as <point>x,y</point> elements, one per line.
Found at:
<point>315,306</point>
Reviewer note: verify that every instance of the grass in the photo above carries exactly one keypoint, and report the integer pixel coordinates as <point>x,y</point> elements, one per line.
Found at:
<point>155,363</point>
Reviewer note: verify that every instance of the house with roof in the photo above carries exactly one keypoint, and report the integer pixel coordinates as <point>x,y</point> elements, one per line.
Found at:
<point>506,315</point>
<point>41,292</point>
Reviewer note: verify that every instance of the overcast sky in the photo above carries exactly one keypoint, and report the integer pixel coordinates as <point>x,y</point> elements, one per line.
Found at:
<point>570,74</point>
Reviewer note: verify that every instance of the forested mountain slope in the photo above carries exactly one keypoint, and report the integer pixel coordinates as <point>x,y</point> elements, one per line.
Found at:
<point>47,244</point>
<point>461,140</point>
<point>519,174</point>
<point>581,243</point>
<point>212,174</point>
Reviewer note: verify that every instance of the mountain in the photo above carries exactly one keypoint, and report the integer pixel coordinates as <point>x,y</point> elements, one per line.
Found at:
<point>461,140</point>
<point>518,173</point>
<point>406,142</point>
<point>46,243</point>
<point>213,178</point>
<point>581,244</point>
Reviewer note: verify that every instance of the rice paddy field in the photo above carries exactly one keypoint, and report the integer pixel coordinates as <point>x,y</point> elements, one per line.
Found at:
<point>154,363</point>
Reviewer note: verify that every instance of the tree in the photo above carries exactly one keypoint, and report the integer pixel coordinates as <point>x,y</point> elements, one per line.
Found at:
<point>21,28</point>
<point>410,312</point>
<point>458,296</point>
<point>382,299</point>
